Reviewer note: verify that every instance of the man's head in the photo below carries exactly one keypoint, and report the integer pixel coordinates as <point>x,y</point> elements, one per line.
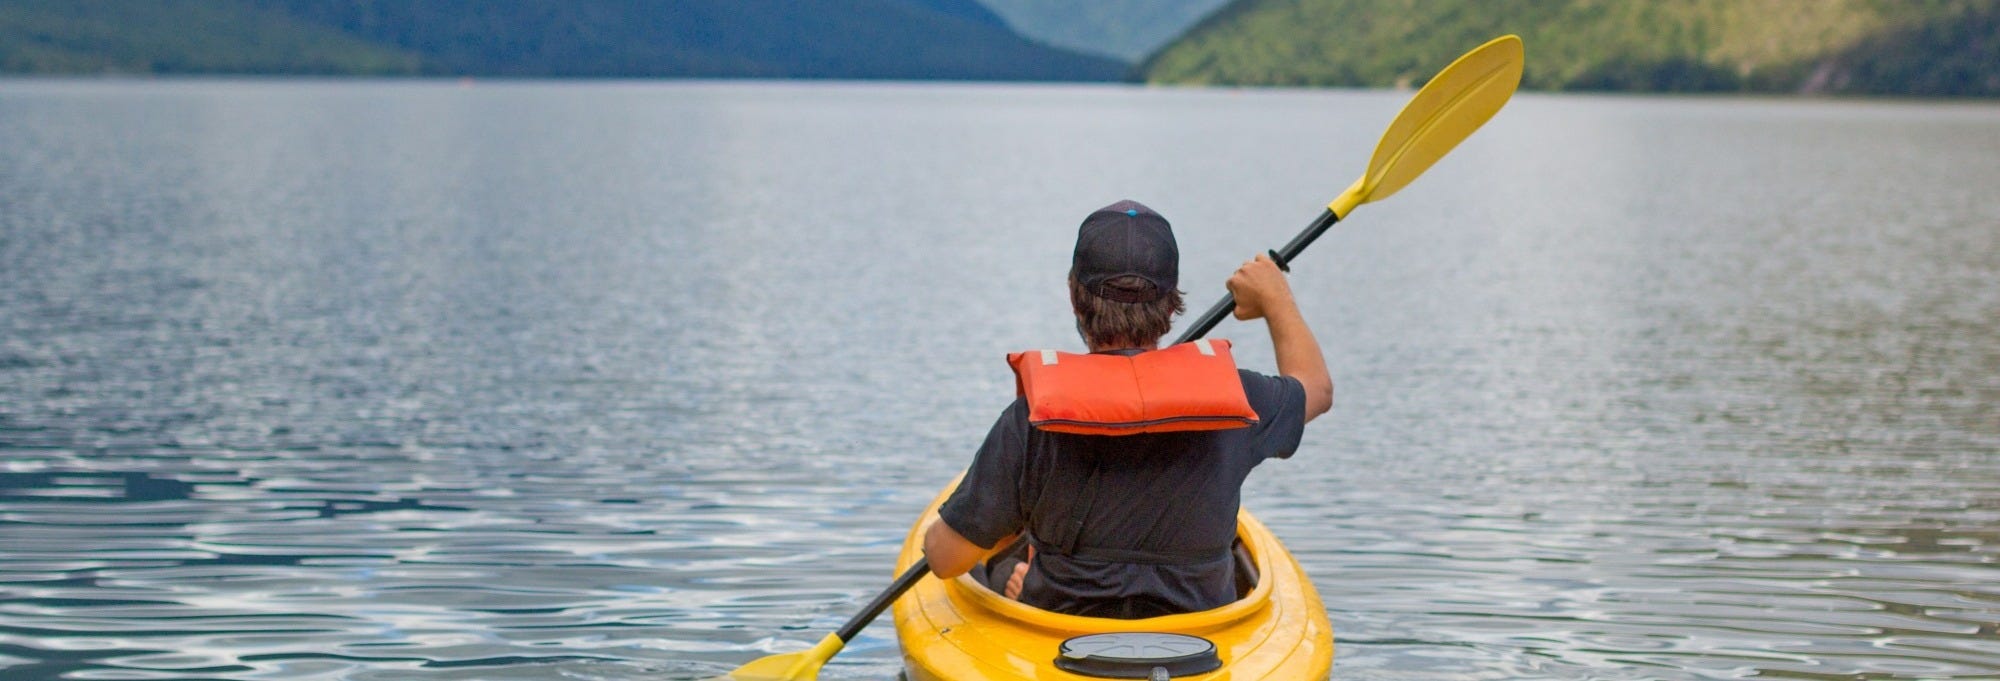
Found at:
<point>1123,277</point>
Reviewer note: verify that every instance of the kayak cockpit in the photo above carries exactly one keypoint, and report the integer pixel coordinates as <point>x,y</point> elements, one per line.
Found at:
<point>961,629</point>
<point>975,591</point>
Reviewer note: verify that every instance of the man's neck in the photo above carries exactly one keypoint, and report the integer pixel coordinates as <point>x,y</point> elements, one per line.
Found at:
<point>1111,348</point>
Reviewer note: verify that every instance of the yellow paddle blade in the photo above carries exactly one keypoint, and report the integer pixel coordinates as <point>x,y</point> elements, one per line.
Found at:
<point>800,666</point>
<point>1454,103</point>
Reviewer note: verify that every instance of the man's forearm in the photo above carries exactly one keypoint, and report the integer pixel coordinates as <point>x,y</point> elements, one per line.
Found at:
<point>1299,355</point>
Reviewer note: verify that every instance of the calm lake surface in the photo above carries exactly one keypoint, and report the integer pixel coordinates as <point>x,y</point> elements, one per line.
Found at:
<point>394,380</point>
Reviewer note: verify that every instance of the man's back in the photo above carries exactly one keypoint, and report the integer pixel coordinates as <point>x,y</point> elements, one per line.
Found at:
<point>1124,526</point>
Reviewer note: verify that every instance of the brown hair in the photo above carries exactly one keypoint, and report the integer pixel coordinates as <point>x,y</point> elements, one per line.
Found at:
<point>1109,324</point>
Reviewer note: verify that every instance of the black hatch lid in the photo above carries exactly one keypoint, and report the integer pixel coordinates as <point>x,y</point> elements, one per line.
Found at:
<point>1134,655</point>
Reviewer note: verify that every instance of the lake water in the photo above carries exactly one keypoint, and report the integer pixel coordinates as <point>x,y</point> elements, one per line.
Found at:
<point>392,380</point>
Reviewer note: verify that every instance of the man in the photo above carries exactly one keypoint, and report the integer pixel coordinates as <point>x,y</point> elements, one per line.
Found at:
<point>1137,525</point>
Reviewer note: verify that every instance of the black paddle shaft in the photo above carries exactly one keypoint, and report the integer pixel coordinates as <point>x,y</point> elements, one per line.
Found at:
<point>909,579</point>
<point>1207,321</point>
<point>896,590</point>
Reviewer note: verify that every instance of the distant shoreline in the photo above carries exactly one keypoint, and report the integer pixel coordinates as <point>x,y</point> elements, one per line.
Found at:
<point>508,81</point>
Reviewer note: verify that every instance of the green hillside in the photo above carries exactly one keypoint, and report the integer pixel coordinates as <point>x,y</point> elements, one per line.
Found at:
<point>899,39</point>
<point>180,36</point>
<point>1899,47</point>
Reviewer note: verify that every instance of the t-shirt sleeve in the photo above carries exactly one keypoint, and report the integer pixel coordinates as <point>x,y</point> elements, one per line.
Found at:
<point>986,507</point>
<point>1280,403</point>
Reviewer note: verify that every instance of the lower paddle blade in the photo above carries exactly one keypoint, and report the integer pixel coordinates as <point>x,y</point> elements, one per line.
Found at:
<point>800,666</point>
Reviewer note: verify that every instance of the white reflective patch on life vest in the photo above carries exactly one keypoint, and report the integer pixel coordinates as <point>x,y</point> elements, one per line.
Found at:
<point>1204,347</point>
<point>1048,357</point>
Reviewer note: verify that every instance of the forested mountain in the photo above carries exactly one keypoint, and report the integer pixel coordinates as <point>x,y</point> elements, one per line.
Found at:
<point>180,36</point>
<point>1901,47</point>
<point>1127,29</point>
<point>905,39</point>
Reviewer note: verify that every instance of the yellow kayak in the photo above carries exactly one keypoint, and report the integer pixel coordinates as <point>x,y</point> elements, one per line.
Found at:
<point>960,630</point>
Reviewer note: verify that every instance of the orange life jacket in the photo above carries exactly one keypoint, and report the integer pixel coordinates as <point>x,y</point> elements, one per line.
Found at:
<point>1191,386</point>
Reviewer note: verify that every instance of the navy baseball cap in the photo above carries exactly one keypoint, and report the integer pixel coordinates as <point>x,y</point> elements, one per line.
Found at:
<point>1126,238</point>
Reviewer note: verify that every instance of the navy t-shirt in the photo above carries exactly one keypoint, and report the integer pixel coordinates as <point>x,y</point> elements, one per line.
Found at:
<point>1156,493</point>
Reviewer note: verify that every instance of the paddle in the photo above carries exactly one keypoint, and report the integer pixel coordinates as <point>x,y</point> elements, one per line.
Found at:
<point>1448,108</point>
<point>1456,102</point>
<point>804,665</point>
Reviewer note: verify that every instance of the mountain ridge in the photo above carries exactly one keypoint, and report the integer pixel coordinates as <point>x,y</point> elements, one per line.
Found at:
<point>862,39</point>
<point>1869,47</point>
<point>1126,29</point>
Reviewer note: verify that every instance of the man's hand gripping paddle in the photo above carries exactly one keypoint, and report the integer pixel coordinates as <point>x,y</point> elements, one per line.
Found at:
<point>1446,111</point>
